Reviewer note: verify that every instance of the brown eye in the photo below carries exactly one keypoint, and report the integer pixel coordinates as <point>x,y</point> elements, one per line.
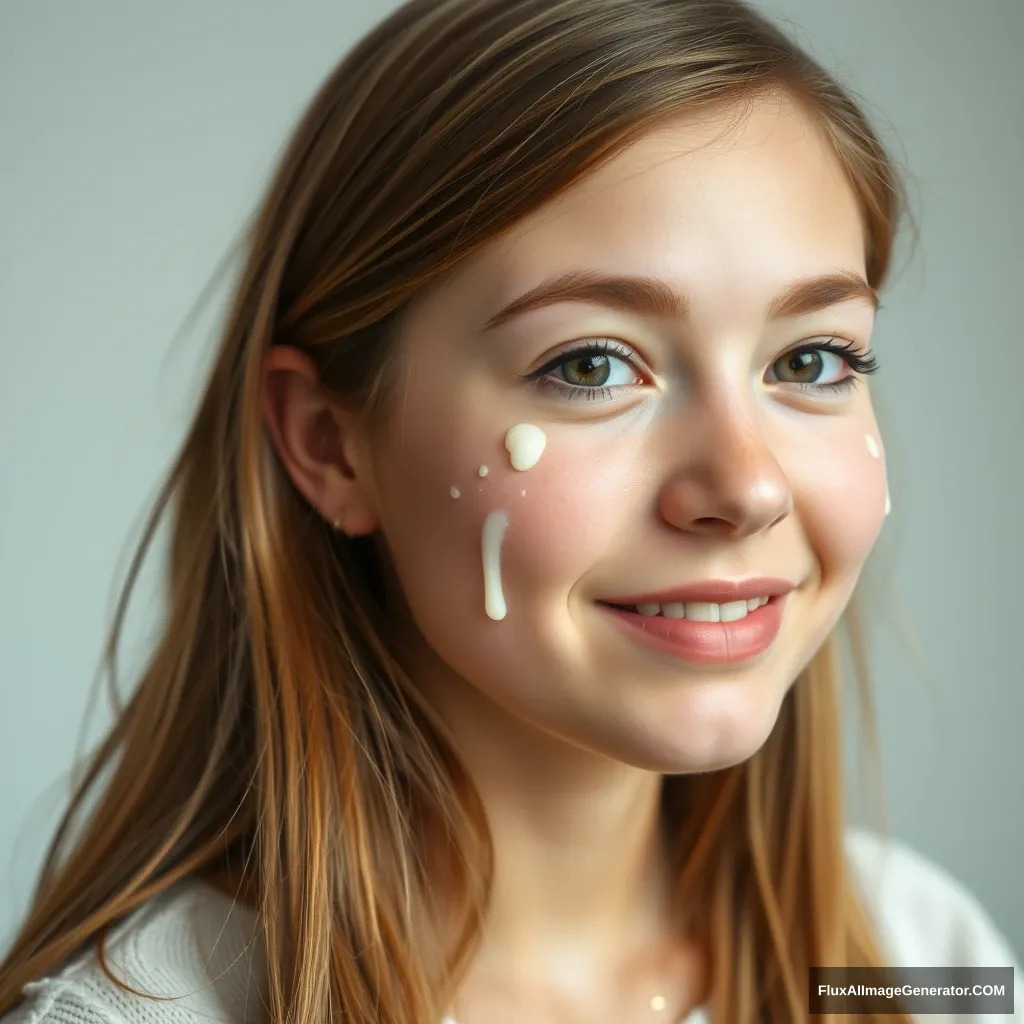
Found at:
<point>587,371</point>
<point>800,367</point>
<point>591,371</point>
<point>814,367</point>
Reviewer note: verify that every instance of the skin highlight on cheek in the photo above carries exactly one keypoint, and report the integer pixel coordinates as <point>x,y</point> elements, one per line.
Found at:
<point>841,491</point>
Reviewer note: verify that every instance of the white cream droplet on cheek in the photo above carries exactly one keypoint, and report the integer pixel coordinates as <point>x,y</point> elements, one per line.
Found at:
<point>876,453</point>
<point>525,443</point>
<point>495,528</point>
<point>455,492</point>
<point>483,471</point>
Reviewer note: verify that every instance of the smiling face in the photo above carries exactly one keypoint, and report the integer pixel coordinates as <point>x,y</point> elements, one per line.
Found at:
<point>706,424</point>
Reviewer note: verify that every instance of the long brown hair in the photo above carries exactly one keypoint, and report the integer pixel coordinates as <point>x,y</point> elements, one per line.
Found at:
<point>274,732</point>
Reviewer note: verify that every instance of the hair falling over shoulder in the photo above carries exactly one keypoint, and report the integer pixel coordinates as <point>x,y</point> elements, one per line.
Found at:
<point>274,734</point>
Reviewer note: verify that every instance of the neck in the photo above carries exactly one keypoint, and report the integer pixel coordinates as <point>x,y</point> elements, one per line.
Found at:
<point>579,859</point>
<point>580,921</point>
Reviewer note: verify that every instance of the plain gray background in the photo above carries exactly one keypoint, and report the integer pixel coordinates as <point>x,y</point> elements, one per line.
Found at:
<point>136,136</point>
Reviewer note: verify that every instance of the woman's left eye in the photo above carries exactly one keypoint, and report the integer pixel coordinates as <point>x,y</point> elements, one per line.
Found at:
<point>823,365</point>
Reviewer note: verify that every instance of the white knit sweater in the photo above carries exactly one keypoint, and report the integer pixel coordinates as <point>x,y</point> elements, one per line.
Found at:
<point>200,951</point>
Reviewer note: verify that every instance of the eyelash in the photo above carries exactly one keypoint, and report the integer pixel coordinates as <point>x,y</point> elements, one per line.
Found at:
<point>863,364</point>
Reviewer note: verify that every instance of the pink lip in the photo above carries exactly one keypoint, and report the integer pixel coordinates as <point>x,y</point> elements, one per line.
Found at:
<point>705,642</point>
<point>712,591</point>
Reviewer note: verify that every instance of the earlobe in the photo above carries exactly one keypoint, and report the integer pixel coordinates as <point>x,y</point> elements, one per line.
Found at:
<point>356,524</point>
<point>353,508</point>
<point>319,445</point>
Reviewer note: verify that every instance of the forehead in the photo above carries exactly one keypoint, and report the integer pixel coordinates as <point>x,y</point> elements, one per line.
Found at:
<point>745,185</point>
<point>728,207</point>
<point>733,167</point>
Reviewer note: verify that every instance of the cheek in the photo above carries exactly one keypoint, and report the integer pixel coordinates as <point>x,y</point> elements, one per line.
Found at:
<point>577,502</point>
<point>582,498</point>
<point>842,492</point>
<point>579,499</point>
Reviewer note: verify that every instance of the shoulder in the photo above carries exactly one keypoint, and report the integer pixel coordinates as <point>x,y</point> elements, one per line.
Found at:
<point>192,954</point>
<point>197,956</point>
<point>924,916</point>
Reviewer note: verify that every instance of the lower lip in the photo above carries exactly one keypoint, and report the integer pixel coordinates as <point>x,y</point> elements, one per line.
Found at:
<point>720,643</point>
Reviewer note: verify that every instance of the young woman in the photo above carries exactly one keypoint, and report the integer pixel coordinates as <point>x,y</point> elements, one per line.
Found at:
<point>528,491</point>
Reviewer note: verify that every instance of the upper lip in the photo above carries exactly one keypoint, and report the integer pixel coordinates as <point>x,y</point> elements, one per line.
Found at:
<point>713,591</point>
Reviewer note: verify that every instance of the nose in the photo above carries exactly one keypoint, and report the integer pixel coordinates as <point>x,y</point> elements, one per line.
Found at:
<point>728,482</point>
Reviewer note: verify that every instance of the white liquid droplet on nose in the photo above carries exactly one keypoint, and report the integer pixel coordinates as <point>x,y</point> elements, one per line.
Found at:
<point>483,471</point>
<point>873,448</point>
<point>454,492</point>
<point>495,527</point>
<point>888,503</point>
<point>525,444</point>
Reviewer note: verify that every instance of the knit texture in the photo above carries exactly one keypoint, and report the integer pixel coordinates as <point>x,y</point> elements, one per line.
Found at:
<point>203,954</point>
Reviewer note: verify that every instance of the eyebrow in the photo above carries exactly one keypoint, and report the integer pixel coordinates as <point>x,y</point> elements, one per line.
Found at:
<point>648,296</point>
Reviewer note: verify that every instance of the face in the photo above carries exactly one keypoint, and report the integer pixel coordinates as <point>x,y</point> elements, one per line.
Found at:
<point>711,425</point>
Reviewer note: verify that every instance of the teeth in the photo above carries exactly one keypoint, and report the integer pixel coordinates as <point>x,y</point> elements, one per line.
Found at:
<point>733,610</point>
<point>704,611</point>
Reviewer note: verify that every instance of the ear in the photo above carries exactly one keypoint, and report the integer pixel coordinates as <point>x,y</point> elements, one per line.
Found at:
<point>322,447</point>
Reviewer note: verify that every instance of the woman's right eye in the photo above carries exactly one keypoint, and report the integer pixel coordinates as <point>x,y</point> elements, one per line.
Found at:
<point>595,369</point>
<point>590,371</point>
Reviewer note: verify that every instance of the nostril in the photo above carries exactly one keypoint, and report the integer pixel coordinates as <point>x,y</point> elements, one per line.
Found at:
<point>714,523</point>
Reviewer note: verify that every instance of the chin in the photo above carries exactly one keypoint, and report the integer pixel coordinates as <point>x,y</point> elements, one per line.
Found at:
<point>723,755</point>
<point>716,731</point>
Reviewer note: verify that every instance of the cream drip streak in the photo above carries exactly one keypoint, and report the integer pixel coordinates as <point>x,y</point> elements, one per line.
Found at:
<point>525,444</point>
<point>495,528</point>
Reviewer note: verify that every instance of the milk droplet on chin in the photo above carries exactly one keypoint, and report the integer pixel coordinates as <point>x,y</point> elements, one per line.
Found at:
<point>483,471</point>
<point>454,492</point>
<point>495,528</point>
<point>525,443</point>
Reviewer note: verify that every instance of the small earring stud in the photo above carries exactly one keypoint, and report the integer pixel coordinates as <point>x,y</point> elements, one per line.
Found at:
<point>336,523</point>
